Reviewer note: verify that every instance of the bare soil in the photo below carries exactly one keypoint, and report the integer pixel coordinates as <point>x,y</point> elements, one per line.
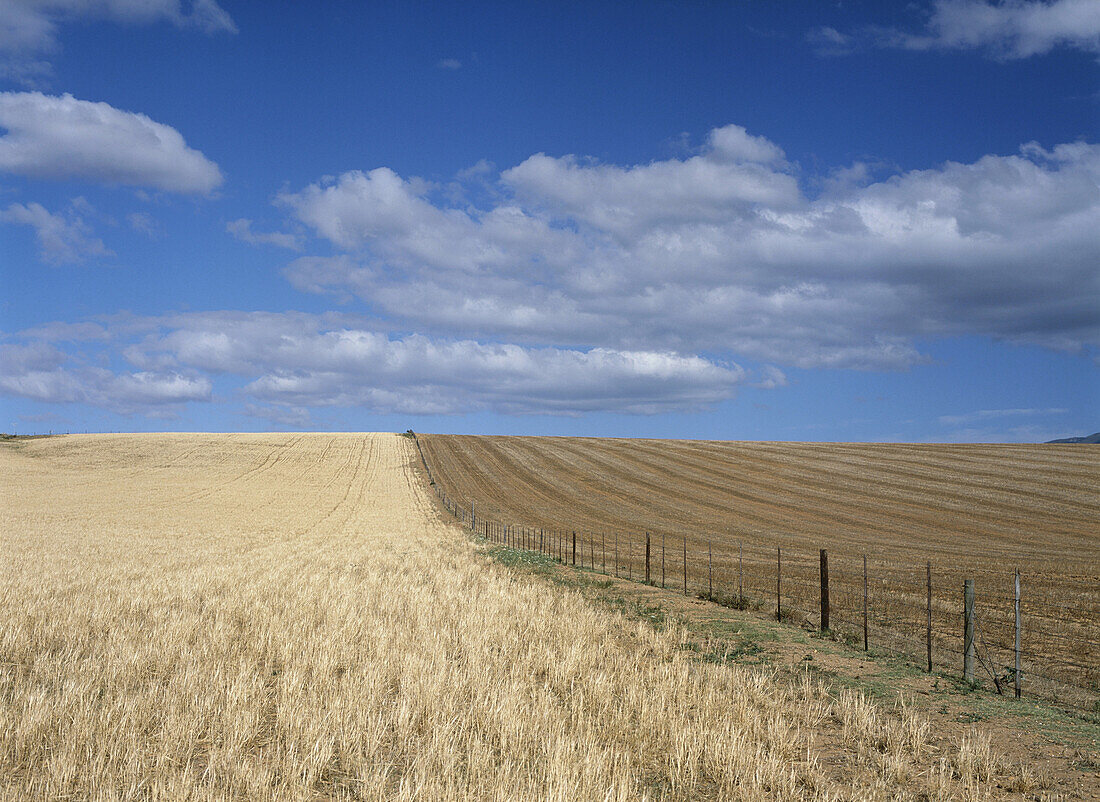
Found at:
<point>953,512</point>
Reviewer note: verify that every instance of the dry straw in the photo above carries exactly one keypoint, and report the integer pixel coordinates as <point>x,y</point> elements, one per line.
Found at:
<point>277,618</point>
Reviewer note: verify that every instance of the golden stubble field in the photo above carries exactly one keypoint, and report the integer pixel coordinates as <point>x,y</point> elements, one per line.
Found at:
<point>972,511</point>
<point>284,617</point>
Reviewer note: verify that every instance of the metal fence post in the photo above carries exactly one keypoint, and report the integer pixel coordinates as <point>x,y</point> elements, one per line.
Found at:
<point>865,643</point>
<point>928,635</point>
<point>740,574</point>
<point>824,590</point>
<point>1016,672</point>
<point>968,630</point>
<point>778,585</point>
<point>685,565</point>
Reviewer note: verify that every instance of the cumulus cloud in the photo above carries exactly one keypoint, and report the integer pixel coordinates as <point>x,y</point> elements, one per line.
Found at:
<point>41,372</point>
<point>61,239</point>
<point>288,361</point>
<point>449,64</point>
<point>29,28</point>
<point>242,230</point>
<point>65,138</point>
<point>1012,29</point>
<point>723,252</point>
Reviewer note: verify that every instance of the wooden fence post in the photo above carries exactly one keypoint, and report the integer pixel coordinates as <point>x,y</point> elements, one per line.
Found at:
<point>929,628</point>
<point>574,547</point>
<point>710,571</point>
<point>647,558</point>
<point>1016,667</point>
<point>616,554</point>
<point>865,644</point>
<point>662,560</point>
<point>603,551</point>
<point>778,576</point>
<point>824,590</point>
<point>968,630</point>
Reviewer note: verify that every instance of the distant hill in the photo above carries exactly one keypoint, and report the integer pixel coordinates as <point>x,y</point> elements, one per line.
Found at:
<point>1092,438</point>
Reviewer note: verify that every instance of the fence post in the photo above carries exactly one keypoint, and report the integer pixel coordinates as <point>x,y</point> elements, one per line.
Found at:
<point>592,552</point>
<point>473,522</point>
<point>574,547</point>
<point>929,631</point>
<point>778,577</point>
<point>647,558</point>
<point>662,560</point>
<point>616,554</point>
<point>824,590</point>
<point>710,571</point>
<point>603,551</point>
<point>685,565</point>
<point>968,630</point>
<point>865,645</point>
<point>1016,672</point>
<point>740,574</point>
<point>540,540</point>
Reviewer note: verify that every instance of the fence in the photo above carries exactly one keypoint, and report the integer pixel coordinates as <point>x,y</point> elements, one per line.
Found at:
<point>988,628</point>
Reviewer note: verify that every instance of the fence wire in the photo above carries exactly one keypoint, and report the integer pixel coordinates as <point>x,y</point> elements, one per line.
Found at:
<point>881,606</point>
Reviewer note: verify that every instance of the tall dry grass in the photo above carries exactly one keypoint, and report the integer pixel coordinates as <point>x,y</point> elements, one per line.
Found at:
<point>275,617</point>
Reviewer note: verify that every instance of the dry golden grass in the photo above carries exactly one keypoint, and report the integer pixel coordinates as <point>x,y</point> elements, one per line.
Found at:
<point>973,511</point>
<point>213,617</point>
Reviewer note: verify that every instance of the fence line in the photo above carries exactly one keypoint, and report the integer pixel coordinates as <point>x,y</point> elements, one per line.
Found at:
<point>864,601</point>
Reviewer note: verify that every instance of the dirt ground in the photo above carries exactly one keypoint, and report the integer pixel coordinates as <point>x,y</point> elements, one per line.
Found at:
<point>292,617</point>
<point>957,511</point>
<point>1061,748</point>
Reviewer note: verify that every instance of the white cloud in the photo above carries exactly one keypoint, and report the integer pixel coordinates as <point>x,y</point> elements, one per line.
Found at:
<point>290,417</point>
<point>829,41</point>
<point>41,372</point>
<point>990,414</point>
<point>242,230</point>
<point>61,240</point>
<point>449,64</point>
<point>1012,29</point>
<point>1015,29</point>
<point>65,138</point>
<point>294,360</point>
<point>771,378</point>
<point>143,223</point>
<point>723,252</point>
<point>29,28</point>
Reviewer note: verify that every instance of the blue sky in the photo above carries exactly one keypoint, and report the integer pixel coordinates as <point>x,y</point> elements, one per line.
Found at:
<point>733,220</point>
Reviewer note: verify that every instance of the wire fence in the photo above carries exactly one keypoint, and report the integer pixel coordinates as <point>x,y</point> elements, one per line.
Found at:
<point>1013,638</point>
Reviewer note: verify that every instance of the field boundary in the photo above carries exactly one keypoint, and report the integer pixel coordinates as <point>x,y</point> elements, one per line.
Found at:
<point>987,641</point>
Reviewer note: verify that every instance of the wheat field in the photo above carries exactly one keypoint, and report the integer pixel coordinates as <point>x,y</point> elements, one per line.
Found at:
<point>287,617</point>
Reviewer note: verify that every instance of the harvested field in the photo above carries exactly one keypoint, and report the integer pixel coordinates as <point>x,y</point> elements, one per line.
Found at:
<point>973,511</point>
<point>287,617</point>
